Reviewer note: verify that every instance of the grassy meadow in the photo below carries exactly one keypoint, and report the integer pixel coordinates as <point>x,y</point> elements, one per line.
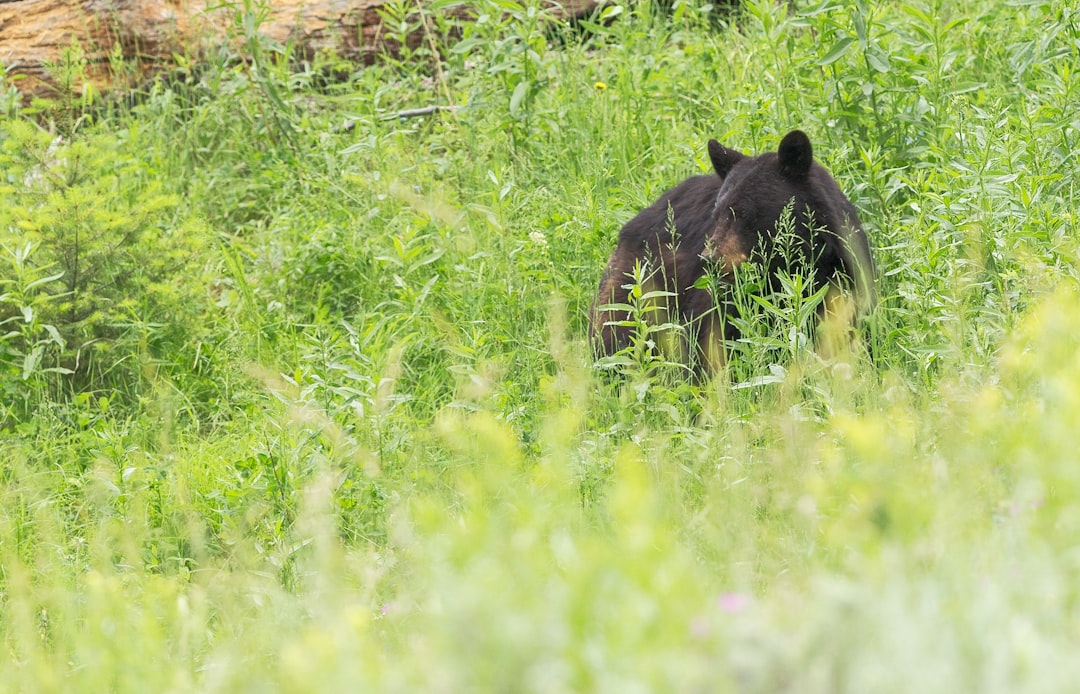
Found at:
<point>296,394</point>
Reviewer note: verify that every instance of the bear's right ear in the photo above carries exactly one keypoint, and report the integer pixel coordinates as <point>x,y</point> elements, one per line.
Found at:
<point>722,158</point>
<point>796,154</point>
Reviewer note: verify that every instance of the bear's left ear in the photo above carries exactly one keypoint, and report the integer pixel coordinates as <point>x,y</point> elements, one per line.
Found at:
<point>796,154</point>
<point>722,158</point>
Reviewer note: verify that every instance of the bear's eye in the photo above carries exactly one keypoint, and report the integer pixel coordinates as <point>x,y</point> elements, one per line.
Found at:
<point>723,212</point>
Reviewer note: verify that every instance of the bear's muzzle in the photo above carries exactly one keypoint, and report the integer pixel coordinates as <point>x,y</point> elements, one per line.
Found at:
<point>724,251</point>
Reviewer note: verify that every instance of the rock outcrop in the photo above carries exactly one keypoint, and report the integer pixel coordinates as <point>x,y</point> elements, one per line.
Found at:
<point>124,41</point>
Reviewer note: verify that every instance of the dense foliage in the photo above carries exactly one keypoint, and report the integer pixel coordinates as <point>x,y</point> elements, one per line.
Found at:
<point>295,393</point>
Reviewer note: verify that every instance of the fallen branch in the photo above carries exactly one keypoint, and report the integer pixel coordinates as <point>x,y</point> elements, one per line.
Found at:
<point>415,112</point>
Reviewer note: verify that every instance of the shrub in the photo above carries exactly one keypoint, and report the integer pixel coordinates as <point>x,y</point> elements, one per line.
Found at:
<point>97,266</point>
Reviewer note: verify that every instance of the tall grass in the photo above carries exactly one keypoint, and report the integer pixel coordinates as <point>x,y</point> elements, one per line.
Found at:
<point>319,413</point>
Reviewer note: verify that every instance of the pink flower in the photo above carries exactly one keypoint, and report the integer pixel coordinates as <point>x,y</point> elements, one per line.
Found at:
<point>733,602</point>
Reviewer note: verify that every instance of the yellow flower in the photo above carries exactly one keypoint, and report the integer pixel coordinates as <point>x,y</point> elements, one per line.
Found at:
<point>600,85</point>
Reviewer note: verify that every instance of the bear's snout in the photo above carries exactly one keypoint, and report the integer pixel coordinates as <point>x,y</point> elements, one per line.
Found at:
<point>724,250</point>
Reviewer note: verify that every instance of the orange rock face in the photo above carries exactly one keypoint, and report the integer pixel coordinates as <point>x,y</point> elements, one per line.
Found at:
<point>35,33</point>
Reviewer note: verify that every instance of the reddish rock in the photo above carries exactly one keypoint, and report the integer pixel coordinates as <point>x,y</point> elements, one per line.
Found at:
<point>35,33</point>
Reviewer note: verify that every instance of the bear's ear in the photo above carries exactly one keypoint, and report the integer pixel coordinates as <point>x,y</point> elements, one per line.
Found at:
<point>796,154</point>
<point>722,158</point>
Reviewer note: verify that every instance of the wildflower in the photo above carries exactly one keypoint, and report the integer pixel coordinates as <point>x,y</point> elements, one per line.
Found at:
<point>538,238</point>
<point>733,602</point>
<point>600,86</point>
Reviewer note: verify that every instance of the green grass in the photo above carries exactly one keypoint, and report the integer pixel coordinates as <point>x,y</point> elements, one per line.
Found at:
<point>295,395</point>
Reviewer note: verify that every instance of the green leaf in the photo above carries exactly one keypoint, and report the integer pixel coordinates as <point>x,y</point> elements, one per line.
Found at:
<point>877,59</point>
<point>30,361</point>
<point>518,96</point>
<point>836,52</point>
<point>44,280</point>
<point>664,327</point>
<point>611,12</point>
<point>55,335</point>
<point>860,28</point>
<point>465,45</point>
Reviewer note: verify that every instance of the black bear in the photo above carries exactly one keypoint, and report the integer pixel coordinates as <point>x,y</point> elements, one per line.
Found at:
<point>712,224</point>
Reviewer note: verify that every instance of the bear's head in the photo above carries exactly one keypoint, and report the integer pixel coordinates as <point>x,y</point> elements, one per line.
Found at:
<point>752,198</point>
